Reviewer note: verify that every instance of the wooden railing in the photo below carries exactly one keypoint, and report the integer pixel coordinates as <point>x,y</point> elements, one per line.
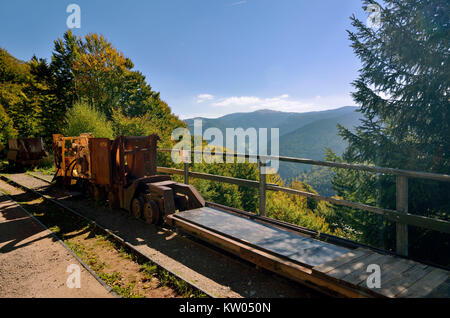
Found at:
<point>401,216</point>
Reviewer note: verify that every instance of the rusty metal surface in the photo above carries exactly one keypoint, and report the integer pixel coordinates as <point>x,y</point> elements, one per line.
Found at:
<point>100,156</point>
<point>71,156</point>
<point>139,155</point>
<point>122,170</point>
<point>26,150</point>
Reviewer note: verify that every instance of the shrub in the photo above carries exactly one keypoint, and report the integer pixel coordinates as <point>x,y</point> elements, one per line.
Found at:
<point>82,118</point>
<point>132,126</point>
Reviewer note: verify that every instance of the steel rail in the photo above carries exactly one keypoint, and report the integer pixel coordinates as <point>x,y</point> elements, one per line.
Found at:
<point>101,228</point>
<point>60,241</point>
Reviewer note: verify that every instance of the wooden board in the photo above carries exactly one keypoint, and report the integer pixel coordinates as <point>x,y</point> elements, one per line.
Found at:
<point>341,260</point>
<point>341,270</point>
<point>442,291</point>
<point>268,261</point>
<point>426,284</point>
<point>394,271</point>
<point>357,266</point>
<point>298,248</point>
<point>399,284</point>
<point>359,277</point>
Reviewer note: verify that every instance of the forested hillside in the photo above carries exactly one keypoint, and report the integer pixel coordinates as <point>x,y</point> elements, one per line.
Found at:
<point>37,96</point>
<point>286,122</point>
<point>302,135</point>
<point>312,140</point>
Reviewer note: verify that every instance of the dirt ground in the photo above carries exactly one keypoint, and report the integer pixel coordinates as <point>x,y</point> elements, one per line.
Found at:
<point>219,274</point>
<point>118,268</point>
<point>115,266</point>
<point>33,263</point>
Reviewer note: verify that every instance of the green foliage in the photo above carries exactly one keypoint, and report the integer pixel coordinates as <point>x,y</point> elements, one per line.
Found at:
<point>227,194</point>
<point>37,96</point>
<point>82,118</point>
<point>319,178</point>
<point>61,68</point>
<point>403,92</point>
<point>302,135</point>
<point>302,211</point>
<point>18,94</point>
<point>132,126</point>
<point>99,72</point>
<point>363,187</point>
<point>6,128</point>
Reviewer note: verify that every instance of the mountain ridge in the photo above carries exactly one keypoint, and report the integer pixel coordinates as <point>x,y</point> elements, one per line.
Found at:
<point>285,121</point>
<point>305,135</point>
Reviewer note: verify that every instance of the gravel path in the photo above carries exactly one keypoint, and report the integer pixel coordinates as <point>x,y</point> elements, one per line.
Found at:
<point>32,263</point>
<point>213,271</point>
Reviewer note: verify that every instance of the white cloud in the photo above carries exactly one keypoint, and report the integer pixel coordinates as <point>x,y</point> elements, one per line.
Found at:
<point>238,101</point>
<point>284,103</point>
<point>204,97</point>
<point>238,3</point>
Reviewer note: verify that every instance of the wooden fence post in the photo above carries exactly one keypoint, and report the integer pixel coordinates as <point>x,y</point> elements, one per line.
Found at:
<point>262,188</point>
<point>186,158</point>
<point>186,173</point>
<point>402,206</point>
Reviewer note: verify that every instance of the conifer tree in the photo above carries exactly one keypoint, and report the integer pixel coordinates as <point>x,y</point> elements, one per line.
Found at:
<point>403,90</point>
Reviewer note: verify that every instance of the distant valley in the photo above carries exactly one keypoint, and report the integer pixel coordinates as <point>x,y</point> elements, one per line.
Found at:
<point>304,135</point>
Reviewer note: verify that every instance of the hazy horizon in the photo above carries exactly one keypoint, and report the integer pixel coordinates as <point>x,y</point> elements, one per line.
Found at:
<point>262,110</point>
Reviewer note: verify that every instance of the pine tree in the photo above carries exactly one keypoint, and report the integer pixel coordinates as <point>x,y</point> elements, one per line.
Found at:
<point>403,90</point>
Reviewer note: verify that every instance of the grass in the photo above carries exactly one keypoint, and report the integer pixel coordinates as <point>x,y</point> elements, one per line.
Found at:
<point>113,280</point>
<point>167,279</point>
<point>64,225</point>
<point>68,226</point>
<point>45,166</point>
<point>50,171</point>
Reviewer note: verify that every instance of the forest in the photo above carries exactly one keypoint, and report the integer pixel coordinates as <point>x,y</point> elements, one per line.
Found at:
<point>402,91</point>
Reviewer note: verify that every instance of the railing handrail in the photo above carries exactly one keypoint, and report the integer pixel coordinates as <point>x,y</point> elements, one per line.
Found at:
<point>375,169</point>
<point>400,215</point>
<point>393,215</point>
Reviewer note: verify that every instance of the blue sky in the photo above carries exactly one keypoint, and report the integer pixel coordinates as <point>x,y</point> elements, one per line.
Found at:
<point>211,57</point>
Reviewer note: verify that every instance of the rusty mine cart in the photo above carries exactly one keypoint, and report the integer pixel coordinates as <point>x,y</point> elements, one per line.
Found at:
<point>25,151</point>
<point>124,172</point>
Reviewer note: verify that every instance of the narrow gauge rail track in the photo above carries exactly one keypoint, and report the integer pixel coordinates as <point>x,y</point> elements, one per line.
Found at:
<point>61,242</point>
<point>260,284</point>
<point>99,227</point>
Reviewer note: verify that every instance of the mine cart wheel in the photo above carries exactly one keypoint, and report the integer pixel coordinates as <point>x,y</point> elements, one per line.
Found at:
<point>83,186</point>
<point>136,207</point>
<point>91,189</point>
<point>151,212</point>
<point>98,193</point>
<point>160,204</point>
<point>13,165</point>
<point>113,200</point>
<point>59,180</point>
